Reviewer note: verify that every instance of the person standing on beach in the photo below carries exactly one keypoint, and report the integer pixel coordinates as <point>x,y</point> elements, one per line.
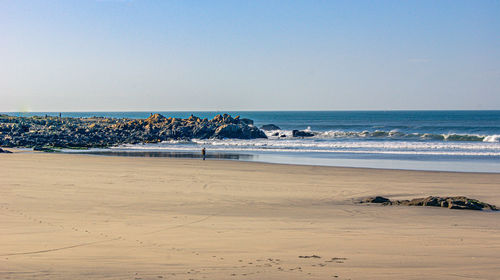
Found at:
<point>203,152</point>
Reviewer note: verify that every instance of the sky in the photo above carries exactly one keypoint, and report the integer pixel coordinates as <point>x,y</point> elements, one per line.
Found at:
<point>118,55</point>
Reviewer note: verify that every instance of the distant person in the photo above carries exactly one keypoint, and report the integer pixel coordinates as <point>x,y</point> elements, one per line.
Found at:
<point>203,152</point>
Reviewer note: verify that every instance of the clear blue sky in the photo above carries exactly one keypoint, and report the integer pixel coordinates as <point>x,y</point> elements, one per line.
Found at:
<point>253,55</point>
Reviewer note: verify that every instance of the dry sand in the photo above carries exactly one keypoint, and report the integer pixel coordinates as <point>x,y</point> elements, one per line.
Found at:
<point>90,217</point>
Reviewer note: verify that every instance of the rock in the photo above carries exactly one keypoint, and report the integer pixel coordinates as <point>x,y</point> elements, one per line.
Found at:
<point>310,257</point>
<point>238,131</point>
<point>467,203</point>
<point>224,119</point>
<point>376,199</point>
<point>428,201</point>
<point>270,127</point>
<point>276,134</point>
<point>246,121</point>
<point>104,132</point>
<point>193,119</point>
<point>2,151</point>
<point>156,118</point>
<point>453,202</point>
<point>228,131</point>
<point>301,133</point>
<point>43,149</point>
<point>243,120</point>
<point>217,119</point>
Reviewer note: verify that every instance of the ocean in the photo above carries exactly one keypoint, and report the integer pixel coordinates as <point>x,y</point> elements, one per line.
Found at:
<point>466,141</point>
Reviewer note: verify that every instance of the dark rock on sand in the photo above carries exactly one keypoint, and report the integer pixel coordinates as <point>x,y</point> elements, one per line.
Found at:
<point>301,133</point>
<point>376,199</point>
<point>310,257</point>
<point>452,202</point>
<point>5,151</point>
<point>270,127</point>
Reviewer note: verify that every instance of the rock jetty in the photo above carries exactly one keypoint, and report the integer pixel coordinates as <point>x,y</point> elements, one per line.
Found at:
<point>56,132</point>
<point>451,202</point>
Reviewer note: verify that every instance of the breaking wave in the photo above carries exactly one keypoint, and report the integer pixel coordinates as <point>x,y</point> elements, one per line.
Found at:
<point>380,142</point>
<point>393,135</point>
<point>437,148</point>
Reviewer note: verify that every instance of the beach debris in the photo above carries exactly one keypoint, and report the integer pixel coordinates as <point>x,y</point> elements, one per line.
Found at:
<point>450,202</point>
<point>310,257</point>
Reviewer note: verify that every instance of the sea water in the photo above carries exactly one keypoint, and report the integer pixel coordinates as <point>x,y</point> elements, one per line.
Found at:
<point>422,140</point>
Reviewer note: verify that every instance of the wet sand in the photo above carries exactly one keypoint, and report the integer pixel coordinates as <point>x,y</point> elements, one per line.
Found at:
<point>93,217</point>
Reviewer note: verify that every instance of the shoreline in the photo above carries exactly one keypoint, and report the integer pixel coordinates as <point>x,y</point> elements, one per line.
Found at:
<point>229,156</point>
<point>276,163</point>
<point>237,156</point>
<point>457,142</point>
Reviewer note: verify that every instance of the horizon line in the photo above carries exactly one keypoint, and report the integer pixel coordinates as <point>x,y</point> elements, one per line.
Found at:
<point>246,110</point>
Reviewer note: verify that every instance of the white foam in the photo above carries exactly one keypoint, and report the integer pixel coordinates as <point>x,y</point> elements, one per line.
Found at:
<point>492,138</point>
<point>306,143</point>
<point>309,145</point>
<point>343,151</point>
<point>381,134</point>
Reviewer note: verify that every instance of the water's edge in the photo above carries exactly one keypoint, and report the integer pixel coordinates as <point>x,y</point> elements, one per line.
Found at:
<point>463,141</point>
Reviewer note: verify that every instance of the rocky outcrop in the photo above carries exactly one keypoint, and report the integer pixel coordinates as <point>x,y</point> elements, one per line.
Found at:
<point>376,199</point>
<point>49,132</point>
<point>453,202</point>
<point>301,133</point>
<point>270,127</point>
<point>238,131</point>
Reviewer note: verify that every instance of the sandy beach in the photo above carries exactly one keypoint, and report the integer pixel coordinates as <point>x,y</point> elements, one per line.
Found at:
<point>94,217</point>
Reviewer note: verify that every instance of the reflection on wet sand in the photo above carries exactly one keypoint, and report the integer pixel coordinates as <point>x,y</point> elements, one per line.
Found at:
<point>171,154</point>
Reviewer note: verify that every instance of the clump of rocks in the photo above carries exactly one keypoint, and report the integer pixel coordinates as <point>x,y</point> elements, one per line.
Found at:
<point>56,132</point>
<point>451,202</point>
<point>2,151</point>
<point>376,199</point>
<point>310,257</point>
<point>301,133</point>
